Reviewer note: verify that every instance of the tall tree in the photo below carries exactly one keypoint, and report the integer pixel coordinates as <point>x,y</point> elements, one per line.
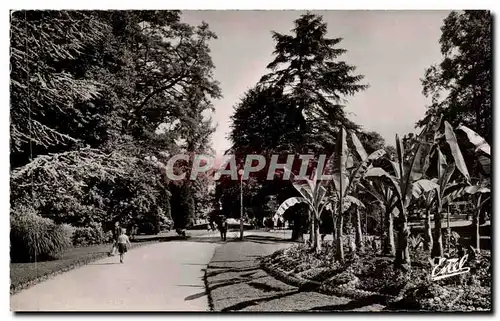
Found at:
<point>461,85</point>
<point>128,83</point>
<point>307,69</point>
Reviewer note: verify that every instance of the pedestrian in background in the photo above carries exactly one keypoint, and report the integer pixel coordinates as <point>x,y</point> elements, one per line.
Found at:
<point>116,234</point>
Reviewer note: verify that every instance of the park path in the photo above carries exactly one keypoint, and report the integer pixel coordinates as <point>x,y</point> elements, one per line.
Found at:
<point>166,276</point>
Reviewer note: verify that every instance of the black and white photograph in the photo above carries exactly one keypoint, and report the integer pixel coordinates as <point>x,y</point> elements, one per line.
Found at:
<point>250,160</point>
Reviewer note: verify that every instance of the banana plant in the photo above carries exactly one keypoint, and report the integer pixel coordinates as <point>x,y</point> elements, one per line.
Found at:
<point>480,197</point>
<point>355,177</point>
<point>439,198</point>
<point>313,193</point>
<point>345,179</point>
<point>481,186</point>
<point>407,184</point>
<point>386,199</point>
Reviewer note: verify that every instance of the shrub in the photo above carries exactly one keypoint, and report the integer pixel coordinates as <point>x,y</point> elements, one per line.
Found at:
<point>34,238</point>
<point>68,230</point>
<point>90,235</point>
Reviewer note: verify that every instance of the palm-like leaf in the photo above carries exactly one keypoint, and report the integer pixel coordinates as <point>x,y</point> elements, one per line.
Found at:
<point>479,142</point>
<point>359,147</point>
<point>451,139</point>
<point>357,174</point>
<point>289,203</point>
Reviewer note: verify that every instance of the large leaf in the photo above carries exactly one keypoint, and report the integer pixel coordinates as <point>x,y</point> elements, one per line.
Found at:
<point>451,139</point>
<point>370,189</point>
<point>452,192</point>
<point>358,173</point>
<point>479,142</point>
<point>359,147</point>
<point>319,196</point>
<point>485,162</point>
<point>430,135</point>
<point>289,203</point>
<point>475,189</point>
<point>305,190</point>
<point>304,186</point>
<point>397,169</point>
<point>445,178</point>
<point>419,162</point>
<point>441,163</point>
<point>377,172</point>
<point>423,186</point>
<point>376,154</point>
<point>349,200</point>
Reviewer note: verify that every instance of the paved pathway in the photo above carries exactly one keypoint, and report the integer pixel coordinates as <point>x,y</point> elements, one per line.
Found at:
<point>237,283</point>
<point>165,276</point>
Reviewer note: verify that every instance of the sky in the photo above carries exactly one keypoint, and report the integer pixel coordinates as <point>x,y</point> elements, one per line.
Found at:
<point>391,49</point>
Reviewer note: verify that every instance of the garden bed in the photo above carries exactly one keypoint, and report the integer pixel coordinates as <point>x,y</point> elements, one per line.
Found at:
<point>25,275</point>
<point>372,276</point>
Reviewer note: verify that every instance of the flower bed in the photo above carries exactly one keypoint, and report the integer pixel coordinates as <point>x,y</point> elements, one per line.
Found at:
<point>370,275</point>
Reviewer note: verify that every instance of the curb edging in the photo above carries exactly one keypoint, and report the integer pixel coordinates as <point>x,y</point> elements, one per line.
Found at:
<point>309,285</point>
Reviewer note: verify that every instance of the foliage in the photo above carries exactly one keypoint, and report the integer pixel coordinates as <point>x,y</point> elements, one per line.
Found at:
<point>48,100</point>
<point>34,238</point>
<point>90,235</point>
<point>306,68</point>
<point>461,85</point>
<point>105,89</point>
<point>182,203</point>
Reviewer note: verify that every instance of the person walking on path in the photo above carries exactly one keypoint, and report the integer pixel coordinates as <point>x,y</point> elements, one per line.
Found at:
<point>123,243</point>
<point>223,228</point>
<point>116,234</point>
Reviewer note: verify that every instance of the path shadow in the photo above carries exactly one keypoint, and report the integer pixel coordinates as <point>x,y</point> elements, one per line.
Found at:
<point>351,305</point>
<point>231,261</point>
<point>229,270</point>
<point>195,296</point>
<point>245,304</point>
<point>267,239</point>
<point>233,282</point>
<point>162,239</point>
<point>108,263</point>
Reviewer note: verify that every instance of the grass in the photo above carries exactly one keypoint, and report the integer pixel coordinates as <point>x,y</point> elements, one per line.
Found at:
<point>24,275</point>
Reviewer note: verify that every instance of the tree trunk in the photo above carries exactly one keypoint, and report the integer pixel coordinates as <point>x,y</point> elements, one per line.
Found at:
<point>334,227</point>
<point>317,238</point>
<point>428,231</point>
<point>477,236</point>
<point>448,231</point>
<point>383,227</point>
<point>389,246</point>
<point>359,233</point>
<point>339,255</point>
<point>297,234</point>
<point>312,231</point>
<point>402,251</point>
<point>437,246</point>
<point>350,232</point>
